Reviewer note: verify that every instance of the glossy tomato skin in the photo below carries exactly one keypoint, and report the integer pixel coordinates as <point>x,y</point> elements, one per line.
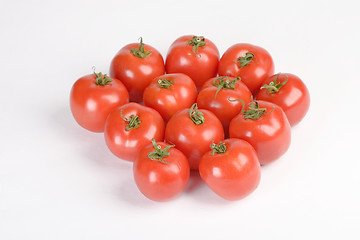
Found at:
<point>161,181</point>
<point>168,101</point>
<point>293,97</point>
<point>224,109</point>
<point>193,140</point>
<point>126,144</point>
<point>136,73</point>
<point>270,135</point>
<point>234,174</point>
<point>199,67</point>
<point>252,74</point>
<point>91,103</point>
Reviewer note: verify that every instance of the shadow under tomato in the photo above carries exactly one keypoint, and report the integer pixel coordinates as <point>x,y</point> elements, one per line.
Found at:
<point>195,182</point>
<point>199,191</point>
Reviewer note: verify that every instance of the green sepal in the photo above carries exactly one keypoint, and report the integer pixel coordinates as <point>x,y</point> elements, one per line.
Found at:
<point>159,153</point>
<point>246,59</point>
<point>196,116</point>
<point>225,84</point>
<point>165,83</point>
<point>196,42</point>
<point>133,121</point>
<point>102,79</point>
<point>220,148</point>
<point>274,86</point>
<point>140,53</point>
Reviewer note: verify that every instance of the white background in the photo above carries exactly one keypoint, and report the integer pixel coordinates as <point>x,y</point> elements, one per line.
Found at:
<point>59,181</point>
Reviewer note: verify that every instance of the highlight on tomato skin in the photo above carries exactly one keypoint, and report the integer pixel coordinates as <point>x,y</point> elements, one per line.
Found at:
<point>265,126</point>
<point>289,92</point>
<point>93,97</point>
<point>231,169</point>
<point>161,171</point>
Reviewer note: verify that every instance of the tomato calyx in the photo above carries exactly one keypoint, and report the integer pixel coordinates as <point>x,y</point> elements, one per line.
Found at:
<point>133,121</point>
<point>218,149</point>
<point>196,42</point>
<point>102,79</point>
<point>196,116</point>
<point>254,112</point>
<point>165,83</point>
<point>140,53</point>
<point>159,153</point>
<point>245,59</point>
<point>274,86</point>
<point>224,84</point>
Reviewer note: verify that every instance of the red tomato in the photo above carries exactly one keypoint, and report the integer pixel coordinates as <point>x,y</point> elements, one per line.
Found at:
<point>231,169</point>
<point>161,171</point>
<point>192,131</point>
<point>214,96</point>
<point>131,127</point>
<point>265,126</point>
<point>289,92</point>
<point>170,93</point>
<point>136,65</point>
<point>252,63</point>
<point>195,56</point>
<point>93,97</point>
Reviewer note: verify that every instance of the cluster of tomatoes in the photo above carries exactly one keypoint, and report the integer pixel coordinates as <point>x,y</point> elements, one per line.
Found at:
<point>201,115</point>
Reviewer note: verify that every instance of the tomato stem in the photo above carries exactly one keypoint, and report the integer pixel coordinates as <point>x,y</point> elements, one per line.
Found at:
<point>159,153</point>
<point>140,53</point>
<point>246,59</point>
<point>102,79</point>
<point>224,84</point>
<point>196,42</point>
<point>133,121</point>
<point>274,86</point>
<point>165,83</point>
<point>254,112</point>
<point>196,116</point>
<point>221,148</point>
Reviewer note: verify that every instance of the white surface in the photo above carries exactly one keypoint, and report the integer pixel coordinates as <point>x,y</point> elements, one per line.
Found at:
<point>59,181</point>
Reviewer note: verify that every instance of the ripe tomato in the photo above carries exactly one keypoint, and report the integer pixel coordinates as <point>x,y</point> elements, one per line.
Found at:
<point>136,65</point>
<point>195,56</point>
<point>214,96</point>
<point>265,126</point>
<point>231,169</point>
<point>93,97</point>
<point>252,63</point>
<point>192,131</point>
<point>161,171</point>
<point>289,92</point>
<point>170,93</point>
<point>131,127</point>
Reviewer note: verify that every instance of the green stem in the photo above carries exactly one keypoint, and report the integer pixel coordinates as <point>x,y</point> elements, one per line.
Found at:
<point>274,86</point>
<point>224,84</point>
<point>246,59</point>
<point>140,53</point>
<point>254,112</point>
<point>221,148</point>
<point>196,42</point>
<point>196,116</point>
<point>159,153</point>
<point>133,121</point>
<point>165,83</point>
<point>102,79</point>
